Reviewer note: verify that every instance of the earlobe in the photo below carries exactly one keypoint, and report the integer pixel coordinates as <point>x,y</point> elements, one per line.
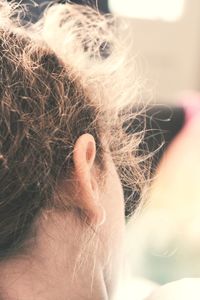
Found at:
<point>87,188</point>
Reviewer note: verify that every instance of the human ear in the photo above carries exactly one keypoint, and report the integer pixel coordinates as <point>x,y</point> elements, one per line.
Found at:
<point>87,188</point>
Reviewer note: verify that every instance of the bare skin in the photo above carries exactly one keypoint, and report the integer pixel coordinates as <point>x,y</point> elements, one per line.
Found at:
<point>69,260</point>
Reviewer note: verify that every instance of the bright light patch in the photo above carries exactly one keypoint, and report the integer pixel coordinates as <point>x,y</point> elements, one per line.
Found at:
<point>166,10</point>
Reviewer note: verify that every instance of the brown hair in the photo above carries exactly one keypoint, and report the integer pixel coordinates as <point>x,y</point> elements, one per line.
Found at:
<point>50,94</point>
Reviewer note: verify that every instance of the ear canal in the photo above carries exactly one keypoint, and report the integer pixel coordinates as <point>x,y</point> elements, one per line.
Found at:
<point>91,152</point>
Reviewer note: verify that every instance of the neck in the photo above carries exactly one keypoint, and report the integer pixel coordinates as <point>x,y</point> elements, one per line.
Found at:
<point>58,267</point>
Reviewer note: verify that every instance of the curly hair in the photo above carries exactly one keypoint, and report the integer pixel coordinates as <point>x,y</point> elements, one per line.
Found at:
<point>64,76</point>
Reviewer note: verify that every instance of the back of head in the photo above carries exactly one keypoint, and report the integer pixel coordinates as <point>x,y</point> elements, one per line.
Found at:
<point>60,78</point>
<point>43,111</point>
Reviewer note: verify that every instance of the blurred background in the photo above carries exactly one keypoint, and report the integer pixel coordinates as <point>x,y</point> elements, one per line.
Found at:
<point>166,34</point>
<point>163,237</point>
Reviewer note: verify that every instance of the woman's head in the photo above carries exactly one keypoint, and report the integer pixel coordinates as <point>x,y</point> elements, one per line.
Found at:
<point>62,139</point>
<point>44,110</point>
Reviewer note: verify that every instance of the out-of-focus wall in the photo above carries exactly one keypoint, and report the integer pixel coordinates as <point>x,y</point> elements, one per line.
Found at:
<point>170,52</point>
